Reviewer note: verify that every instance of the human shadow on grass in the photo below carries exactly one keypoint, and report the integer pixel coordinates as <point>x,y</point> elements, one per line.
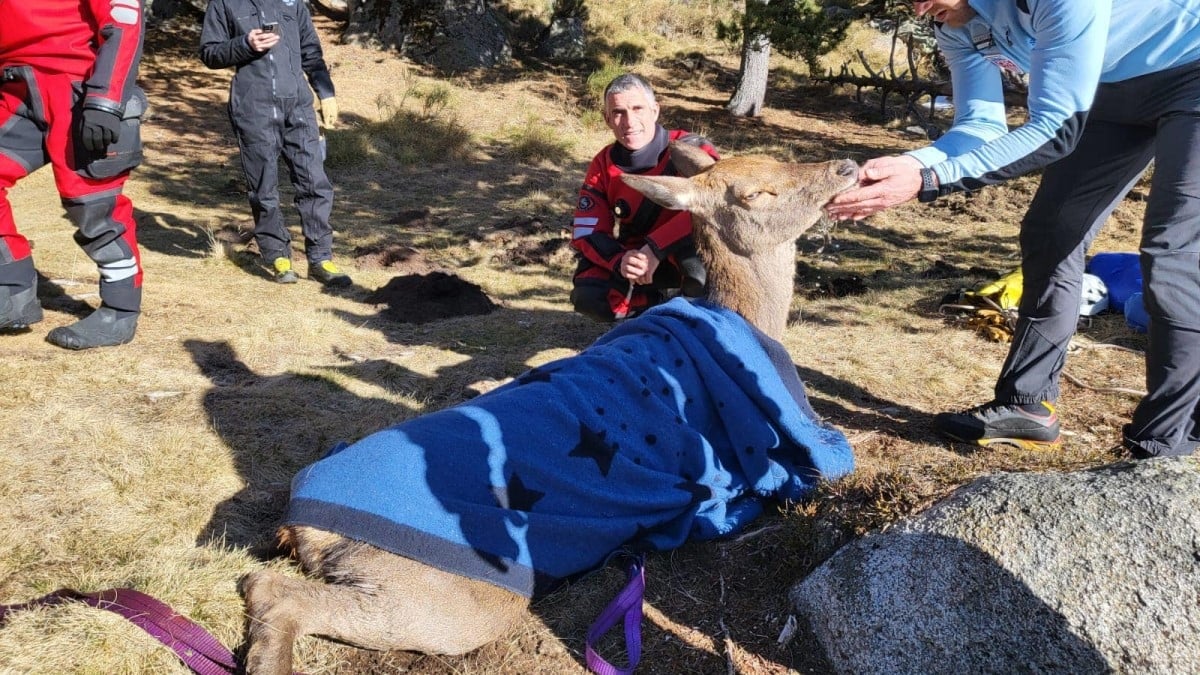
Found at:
<point>56,299</point>
<point>168,234</point>
<point>274,425</point>
<point>875,414</point>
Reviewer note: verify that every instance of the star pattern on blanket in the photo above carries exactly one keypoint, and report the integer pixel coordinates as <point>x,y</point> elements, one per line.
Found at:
<point>593,446</point>
<point>516,495</point>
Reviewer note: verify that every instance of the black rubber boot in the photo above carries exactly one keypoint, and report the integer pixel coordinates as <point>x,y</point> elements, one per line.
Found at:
<point>104,327</point>
<point>19,309</point>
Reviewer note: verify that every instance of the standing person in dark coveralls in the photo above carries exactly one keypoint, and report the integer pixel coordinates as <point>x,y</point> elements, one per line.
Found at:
<point>273,45</point>
<point>1112,86</point>
<point>69,98</point>
<point>623,238</point>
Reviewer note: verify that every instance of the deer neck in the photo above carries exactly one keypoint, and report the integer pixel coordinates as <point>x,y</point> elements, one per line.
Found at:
<point>757,286</point>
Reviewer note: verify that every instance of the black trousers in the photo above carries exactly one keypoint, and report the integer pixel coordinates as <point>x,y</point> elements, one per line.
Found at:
<point>1153,117</point>
<point>288,127</point>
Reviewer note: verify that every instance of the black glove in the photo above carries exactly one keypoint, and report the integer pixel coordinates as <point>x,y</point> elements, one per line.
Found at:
<point>99,130</point>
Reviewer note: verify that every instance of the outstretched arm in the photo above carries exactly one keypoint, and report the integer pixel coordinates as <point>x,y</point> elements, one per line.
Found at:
<point>882,183</point>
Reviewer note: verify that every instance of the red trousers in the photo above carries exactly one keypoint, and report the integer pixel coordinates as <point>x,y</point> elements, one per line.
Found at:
<point>37,122</point>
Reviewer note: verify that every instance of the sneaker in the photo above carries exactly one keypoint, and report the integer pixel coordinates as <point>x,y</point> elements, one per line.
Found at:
<point>104,327</point>
<point>328,273</point>
<point>18,310</point>
<point>993,423</point>
<point>284,273</point>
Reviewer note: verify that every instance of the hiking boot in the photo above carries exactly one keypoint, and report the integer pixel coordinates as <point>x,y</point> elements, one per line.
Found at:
<point>104,327</point>
<point>1031,427</point>
<point>328,273</point>
<point>18,310</point>
<point>284,273</point>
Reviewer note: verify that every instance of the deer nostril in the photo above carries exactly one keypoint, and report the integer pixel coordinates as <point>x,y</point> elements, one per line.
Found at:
<point>847,168</point>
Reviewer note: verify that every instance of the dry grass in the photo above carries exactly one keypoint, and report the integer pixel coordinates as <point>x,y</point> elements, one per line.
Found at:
<point>163,465</point>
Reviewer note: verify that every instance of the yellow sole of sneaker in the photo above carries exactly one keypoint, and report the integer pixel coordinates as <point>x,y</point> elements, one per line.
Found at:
<point>1022,443</point>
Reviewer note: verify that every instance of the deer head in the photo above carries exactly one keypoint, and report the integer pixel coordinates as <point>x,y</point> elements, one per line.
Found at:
<point>747,213</point>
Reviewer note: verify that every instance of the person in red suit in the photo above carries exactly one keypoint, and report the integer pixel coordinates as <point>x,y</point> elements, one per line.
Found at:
<point>69,98</point>
<point>633,254</point>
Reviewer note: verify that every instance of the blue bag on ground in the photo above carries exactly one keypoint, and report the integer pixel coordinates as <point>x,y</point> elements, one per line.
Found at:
<point>1120,272</point>
<point>1135,313</point>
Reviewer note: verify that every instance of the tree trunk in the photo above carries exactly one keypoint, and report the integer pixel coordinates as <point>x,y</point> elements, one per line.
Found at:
<point>452,35</point>
<point>747,99</point>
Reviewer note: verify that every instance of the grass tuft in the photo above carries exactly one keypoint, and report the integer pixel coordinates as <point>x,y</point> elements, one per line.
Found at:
<point>419,128</point>
<point>535,142</point>
<point>599,79</point>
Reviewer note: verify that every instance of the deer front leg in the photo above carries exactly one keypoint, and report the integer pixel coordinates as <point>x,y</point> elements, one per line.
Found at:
<point>273,626</point>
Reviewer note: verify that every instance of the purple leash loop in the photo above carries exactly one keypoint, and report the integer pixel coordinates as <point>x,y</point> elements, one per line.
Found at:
<point>627,604</point>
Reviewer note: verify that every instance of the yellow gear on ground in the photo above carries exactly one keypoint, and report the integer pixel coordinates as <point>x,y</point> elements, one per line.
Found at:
<point>990,309</point>
<point>996,326</point>
<point>1005,291</point>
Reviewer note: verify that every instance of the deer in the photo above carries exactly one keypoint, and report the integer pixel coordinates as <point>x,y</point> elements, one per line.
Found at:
<point>747,214</point>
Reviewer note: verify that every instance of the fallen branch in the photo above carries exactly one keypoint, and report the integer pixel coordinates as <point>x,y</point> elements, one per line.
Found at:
<point>1113,390</point>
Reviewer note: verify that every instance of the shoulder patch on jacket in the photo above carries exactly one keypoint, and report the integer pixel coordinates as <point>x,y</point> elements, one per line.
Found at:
<point>127,12</point>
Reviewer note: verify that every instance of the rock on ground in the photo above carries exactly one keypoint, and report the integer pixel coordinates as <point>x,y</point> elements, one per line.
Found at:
<point>1082,572</point>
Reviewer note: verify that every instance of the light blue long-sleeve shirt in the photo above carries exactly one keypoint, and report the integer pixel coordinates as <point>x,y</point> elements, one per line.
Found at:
<point>1067,47</point>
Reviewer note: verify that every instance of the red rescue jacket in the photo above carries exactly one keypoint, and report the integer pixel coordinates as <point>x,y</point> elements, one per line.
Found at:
<point>607,221</point>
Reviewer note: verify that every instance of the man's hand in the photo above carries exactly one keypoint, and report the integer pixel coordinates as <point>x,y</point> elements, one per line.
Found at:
<point>99,129</point>
<point>329,112</point>
<point>639,266</point>
<point>882,183</point>
<point>260,40</point>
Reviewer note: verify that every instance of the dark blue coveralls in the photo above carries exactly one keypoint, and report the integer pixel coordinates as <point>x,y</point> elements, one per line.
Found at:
<point>271,109</point>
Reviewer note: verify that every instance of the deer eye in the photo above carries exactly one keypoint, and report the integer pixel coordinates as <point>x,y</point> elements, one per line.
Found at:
<point>751,196</point>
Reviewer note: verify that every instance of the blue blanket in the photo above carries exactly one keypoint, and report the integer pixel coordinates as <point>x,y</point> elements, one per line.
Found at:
<point>674,425</point>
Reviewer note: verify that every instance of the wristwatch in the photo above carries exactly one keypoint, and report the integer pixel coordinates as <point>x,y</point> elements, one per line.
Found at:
<point>930,189</point>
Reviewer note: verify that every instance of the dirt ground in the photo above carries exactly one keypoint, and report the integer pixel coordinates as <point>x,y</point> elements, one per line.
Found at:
<point>461,271</point>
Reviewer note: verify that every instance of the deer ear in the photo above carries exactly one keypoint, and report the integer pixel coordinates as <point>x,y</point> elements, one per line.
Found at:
<point>671,192</point>
<point>689,159</point>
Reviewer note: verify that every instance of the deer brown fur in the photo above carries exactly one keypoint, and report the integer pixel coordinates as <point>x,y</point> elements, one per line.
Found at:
<point>747,213</point>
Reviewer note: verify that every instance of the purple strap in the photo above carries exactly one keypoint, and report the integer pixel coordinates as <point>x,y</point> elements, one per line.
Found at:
<point>628,604</point>
<point>198,650</point>
<point>204,655</point>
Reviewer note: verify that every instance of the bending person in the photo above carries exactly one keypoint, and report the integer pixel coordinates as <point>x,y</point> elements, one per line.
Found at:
<point>1112,86</point>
